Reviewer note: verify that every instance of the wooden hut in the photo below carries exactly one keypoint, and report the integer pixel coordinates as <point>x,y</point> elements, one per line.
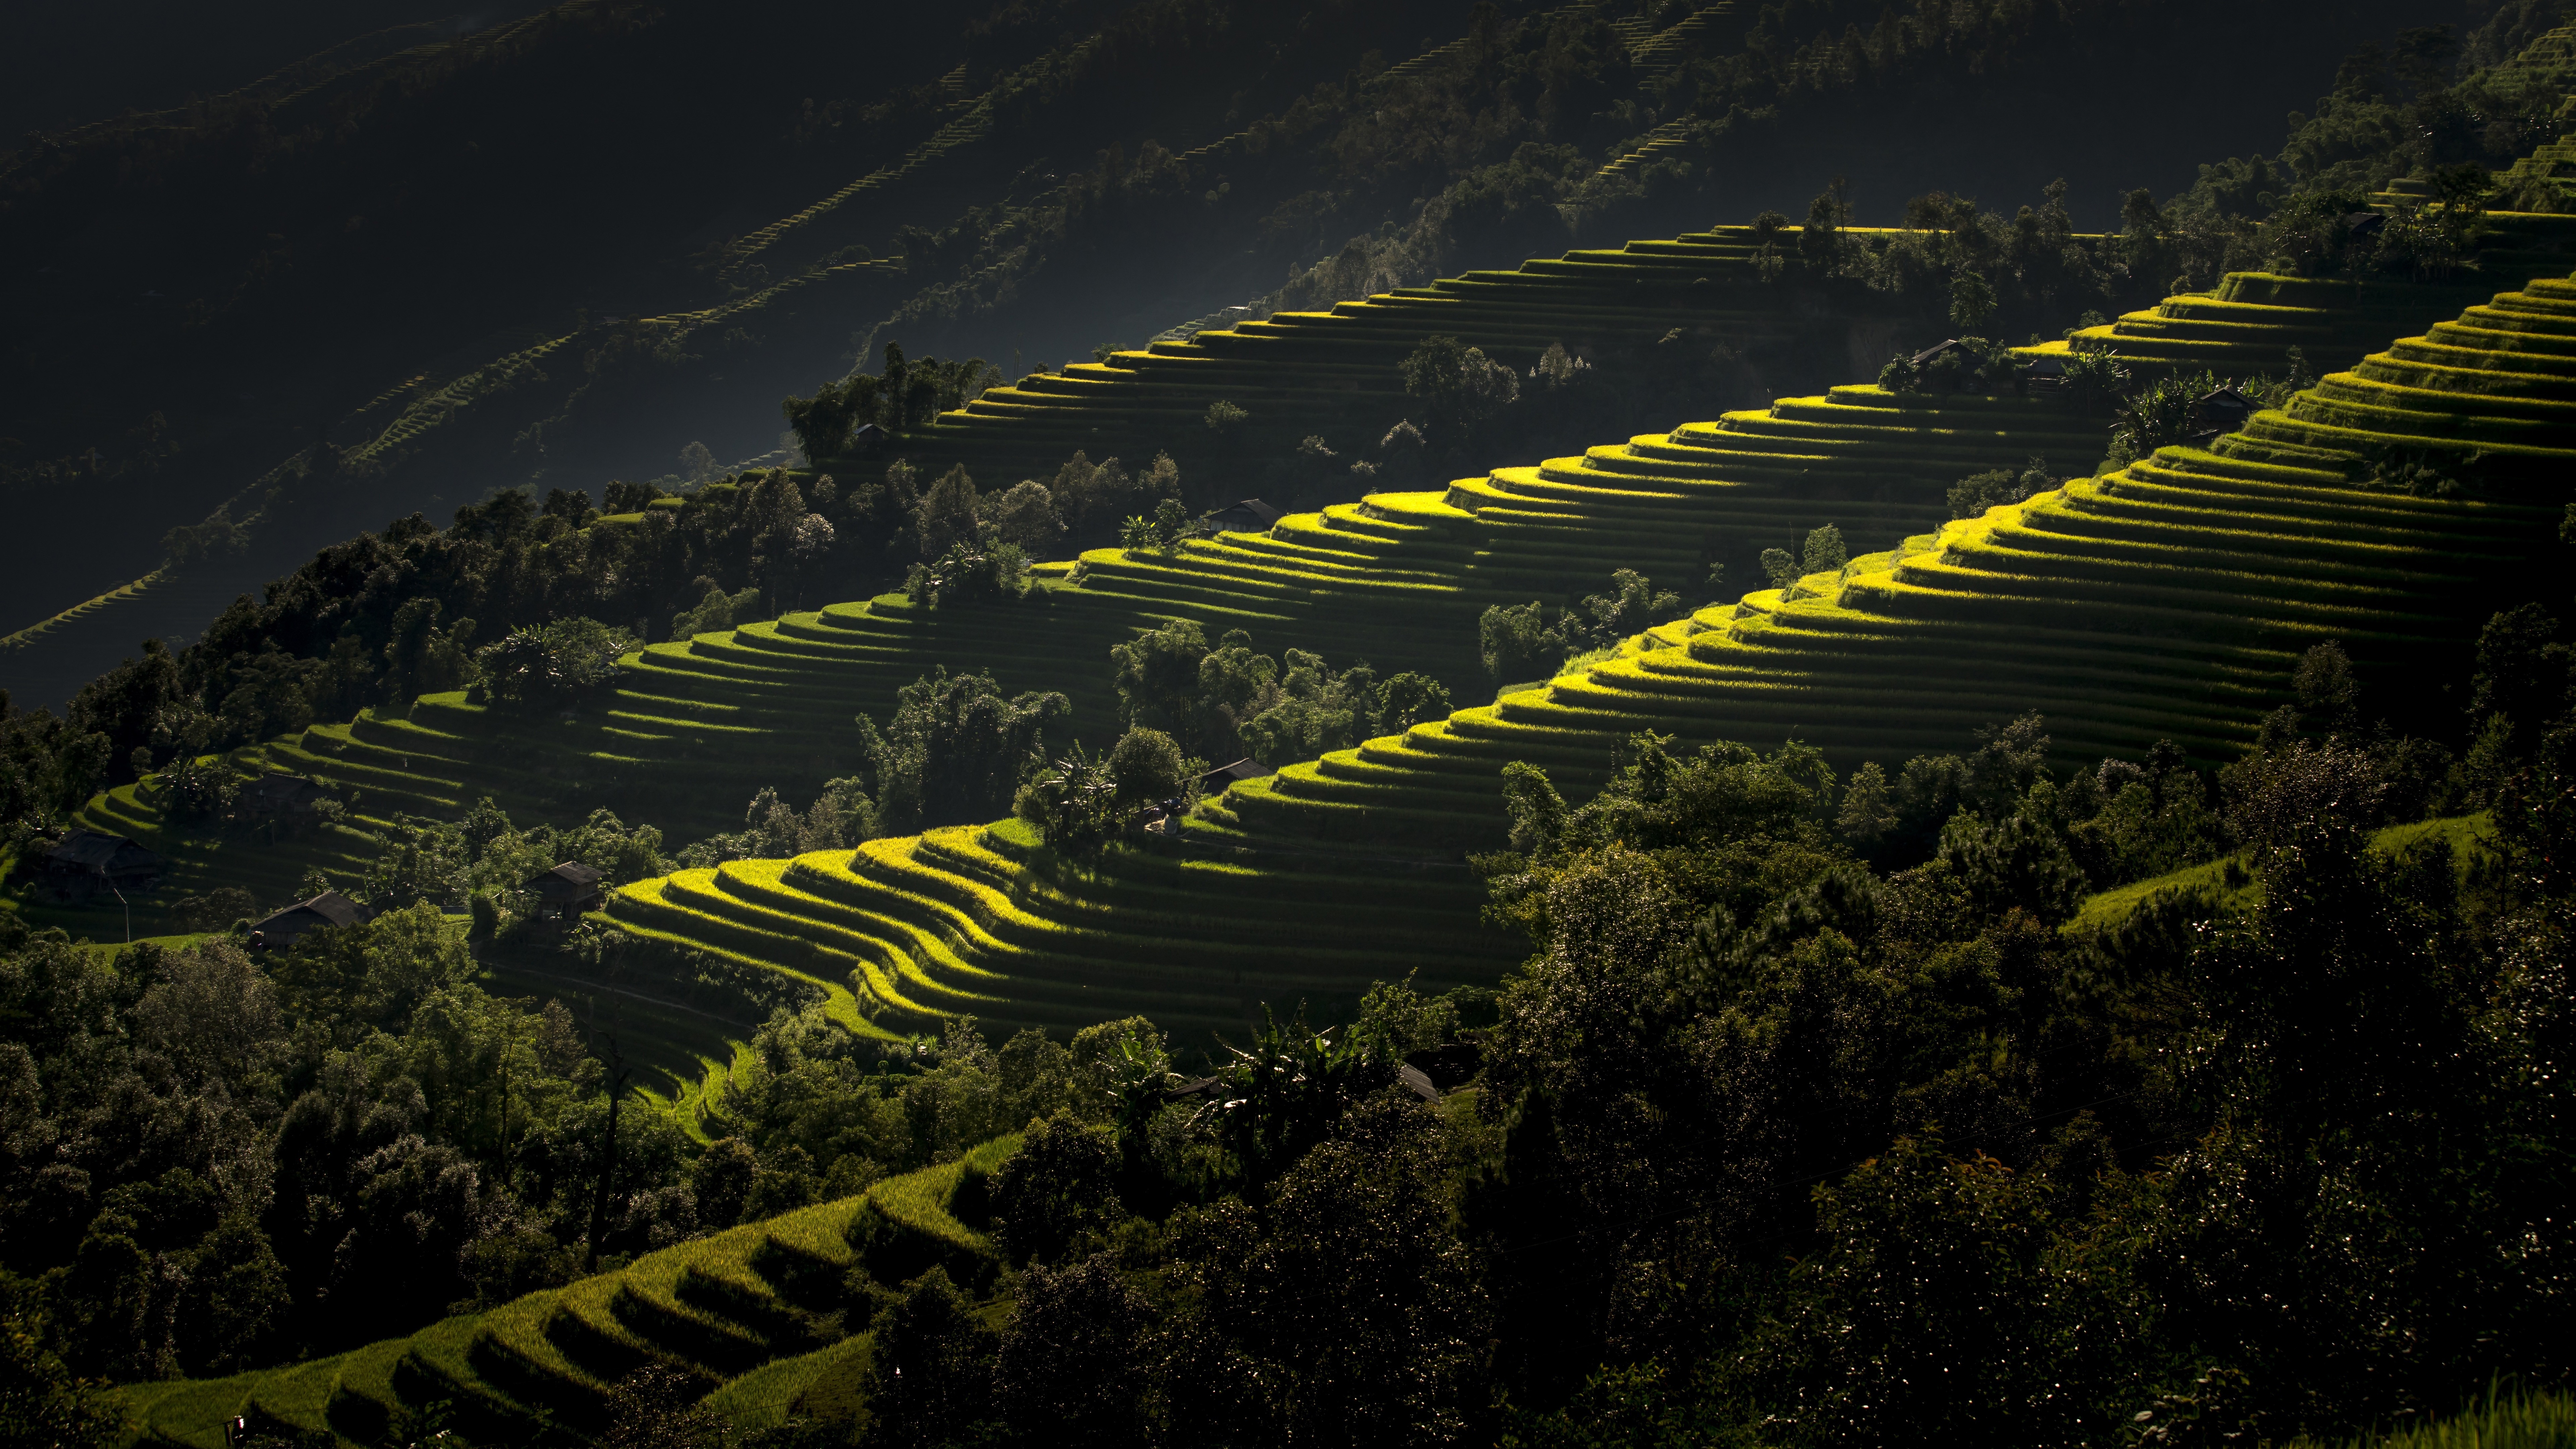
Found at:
<point>280,929</point>
<point>87,861</point>
<point>566,892</point>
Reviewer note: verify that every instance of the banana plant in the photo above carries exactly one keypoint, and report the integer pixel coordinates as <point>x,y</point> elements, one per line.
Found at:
<point>1281,1095</point>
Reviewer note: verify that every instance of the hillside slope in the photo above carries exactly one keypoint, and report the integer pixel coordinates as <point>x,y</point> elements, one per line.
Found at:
<point>1081,176</point>
<point>697,726</point>
<point>2168,600</point>
<point>769,1318</point>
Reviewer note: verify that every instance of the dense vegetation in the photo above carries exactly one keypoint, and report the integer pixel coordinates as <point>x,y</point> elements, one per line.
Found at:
<point>1934,937</point>
<point>1775,1057</point>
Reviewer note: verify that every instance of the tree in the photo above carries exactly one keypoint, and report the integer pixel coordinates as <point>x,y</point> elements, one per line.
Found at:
<point>124,703</point>
<point>1070,1368</point>
<point>1146,765</point>
<point>1157,675</point>
<point>932,1370</point>
<point>1346,1310</point>
<point>42,1404</point>
<point>716,612</point>
<point>1073,802</point>
<point>1026,516</point>
<point>1060,1186</point>
<point>955,749</point>
<point>1409,699</point>
<point>560,663</point>
<point>1779,566</point>
<point>1461,389</point>
<point>2163,414</point>
<point>1824,552</point>
<point>1516,641</point>
<point>1868,811</point>
<point>947,513</point>
<point>1972,299</point>
<point>422,658</point>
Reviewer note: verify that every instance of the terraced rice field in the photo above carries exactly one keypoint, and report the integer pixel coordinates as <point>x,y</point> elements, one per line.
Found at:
<point>698,726</point>
<point>1329,372</point>
<point>984,922</point>
<point>761,1315</point>
<point>2168,600</point>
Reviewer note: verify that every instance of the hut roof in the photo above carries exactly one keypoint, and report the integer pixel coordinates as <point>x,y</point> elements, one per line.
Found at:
<point>328,909</point>
<point>91,850</point>
<point>1260,513</point>
<point>1224,775</point>
<point>570,879</point>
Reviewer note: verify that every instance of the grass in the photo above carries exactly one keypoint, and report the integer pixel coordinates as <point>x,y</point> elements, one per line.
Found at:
<point>2502,1419</point>
<point>818,1385</point>
<point>2229,880</point>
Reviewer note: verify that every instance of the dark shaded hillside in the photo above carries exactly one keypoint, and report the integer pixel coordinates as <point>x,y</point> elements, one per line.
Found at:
<point>419,263</point>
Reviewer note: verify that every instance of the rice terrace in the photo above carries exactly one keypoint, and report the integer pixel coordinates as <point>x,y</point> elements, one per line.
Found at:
<point>1161,723</point>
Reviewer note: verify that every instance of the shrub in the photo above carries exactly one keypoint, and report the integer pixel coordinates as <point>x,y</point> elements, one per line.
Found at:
<point>1971,496</point>
<point>716,612</point>
<point>2094,380</point>
<point>563,662</point>
<point>2163,414</point>
<point>1517,641</point>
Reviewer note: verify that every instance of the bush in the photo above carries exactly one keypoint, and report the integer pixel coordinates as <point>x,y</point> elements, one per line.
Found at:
<point>715,613</point>
<point>1517,642</point>
<point>2094,380</point>
<point>563,662</point>
<point>2163,414</point>
<point>1971,496</point>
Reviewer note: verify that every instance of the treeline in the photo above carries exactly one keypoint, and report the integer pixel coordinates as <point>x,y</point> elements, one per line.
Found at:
<point>1809,1121</point>
<point>1776,1140</point>
<point>226,1161</point>
<point>511,594</point>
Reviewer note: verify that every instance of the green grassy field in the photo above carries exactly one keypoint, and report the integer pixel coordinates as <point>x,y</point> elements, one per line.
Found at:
<point>2462,833</point>
<point>760,1314</point>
